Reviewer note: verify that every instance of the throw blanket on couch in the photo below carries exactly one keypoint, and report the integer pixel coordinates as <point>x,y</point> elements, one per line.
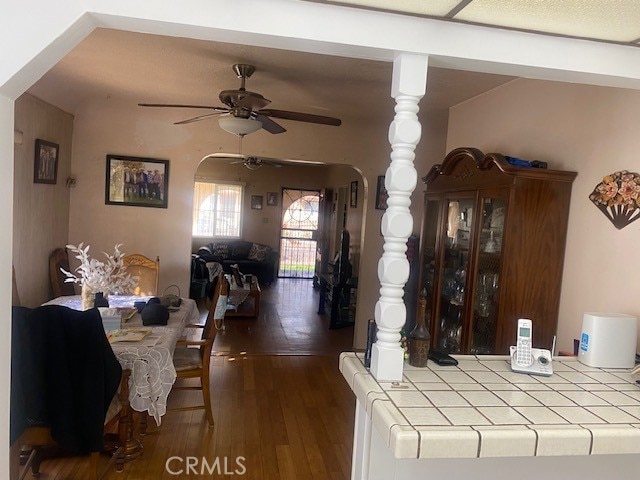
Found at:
<point>251,258</point>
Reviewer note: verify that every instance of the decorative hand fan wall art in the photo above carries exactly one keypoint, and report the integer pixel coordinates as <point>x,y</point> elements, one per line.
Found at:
<point>244,112</point>
<point>618,197</point>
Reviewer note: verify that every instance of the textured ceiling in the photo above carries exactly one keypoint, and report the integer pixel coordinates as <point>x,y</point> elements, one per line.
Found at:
<point>135,67</point>
<point>603,20</point>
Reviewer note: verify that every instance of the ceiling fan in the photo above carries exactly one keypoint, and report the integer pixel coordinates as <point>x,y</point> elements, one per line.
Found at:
<point>244,112</point>
<point>254,163</point>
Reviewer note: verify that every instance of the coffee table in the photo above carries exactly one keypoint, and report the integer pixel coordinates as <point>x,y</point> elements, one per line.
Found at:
<point>245,300</point>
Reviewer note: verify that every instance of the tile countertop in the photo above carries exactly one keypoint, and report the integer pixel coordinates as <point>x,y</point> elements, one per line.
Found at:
<point>480,408</point>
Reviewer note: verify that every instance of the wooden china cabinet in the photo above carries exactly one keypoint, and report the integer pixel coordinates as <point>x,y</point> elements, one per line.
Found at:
<point>492,251</point>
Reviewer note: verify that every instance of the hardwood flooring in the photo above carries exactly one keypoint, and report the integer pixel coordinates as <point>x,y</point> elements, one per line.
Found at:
<point>277,417</point>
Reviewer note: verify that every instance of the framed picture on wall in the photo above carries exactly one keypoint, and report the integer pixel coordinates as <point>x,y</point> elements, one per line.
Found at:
<point>353,197</point>
<point>256,202</point>
<point>272,199</point>
<point>45,165</point>
<point>136,181</point>
<point>381,194</point>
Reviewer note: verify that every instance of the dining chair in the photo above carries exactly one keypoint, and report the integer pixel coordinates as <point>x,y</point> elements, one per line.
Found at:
<point>192,362</point>
<point>147,272</point>
<point>59,258</point>
<point>67,388</point>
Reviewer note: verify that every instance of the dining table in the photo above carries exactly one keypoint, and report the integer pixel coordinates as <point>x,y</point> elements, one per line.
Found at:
<point>150,359</point>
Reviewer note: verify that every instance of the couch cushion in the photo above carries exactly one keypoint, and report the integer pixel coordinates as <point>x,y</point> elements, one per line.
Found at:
<point>220,250</point>
<point>239,249</point>
<point>258,252</point>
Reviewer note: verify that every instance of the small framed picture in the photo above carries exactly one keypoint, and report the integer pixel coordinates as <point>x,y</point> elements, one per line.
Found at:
<point>256,202</point>
<point>272,199</point>
<point>381,194</point>
<point>353,198</point>
<point>45,165</point>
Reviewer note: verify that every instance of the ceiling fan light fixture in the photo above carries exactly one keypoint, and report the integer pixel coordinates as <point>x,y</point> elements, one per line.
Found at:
<point>239,126</point>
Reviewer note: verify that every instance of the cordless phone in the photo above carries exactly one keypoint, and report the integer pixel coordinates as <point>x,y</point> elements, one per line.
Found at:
<point>523,344</point>
<point>525,358</point>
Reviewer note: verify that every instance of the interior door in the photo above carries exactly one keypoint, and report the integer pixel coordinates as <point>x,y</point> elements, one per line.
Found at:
<point>298,233</point>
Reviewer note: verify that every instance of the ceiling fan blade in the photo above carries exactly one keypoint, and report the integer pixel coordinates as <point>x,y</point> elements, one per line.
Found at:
<point>302,117</point>
<point>198,118</point>
<point>269,125</point>
<point>252,101</point>
<point>270,164</point>
<point>171,105</point>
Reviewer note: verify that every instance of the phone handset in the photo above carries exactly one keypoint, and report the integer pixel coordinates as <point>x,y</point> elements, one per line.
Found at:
<point>523,345</point>
<point>525,358</point>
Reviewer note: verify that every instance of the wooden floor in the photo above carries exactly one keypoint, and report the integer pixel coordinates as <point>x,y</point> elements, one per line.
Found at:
<point>277,416</point>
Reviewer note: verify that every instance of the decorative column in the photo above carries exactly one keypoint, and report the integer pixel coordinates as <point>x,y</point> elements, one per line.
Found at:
<point>408,87</point>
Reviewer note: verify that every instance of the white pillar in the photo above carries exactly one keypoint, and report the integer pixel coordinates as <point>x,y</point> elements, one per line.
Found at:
<point>408,87</point>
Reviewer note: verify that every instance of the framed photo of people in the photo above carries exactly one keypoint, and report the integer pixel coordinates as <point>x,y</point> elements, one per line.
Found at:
<point>137,181</point>
<point>45,165</point>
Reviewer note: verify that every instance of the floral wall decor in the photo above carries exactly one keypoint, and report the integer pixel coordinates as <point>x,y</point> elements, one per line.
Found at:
<point>618,197</point>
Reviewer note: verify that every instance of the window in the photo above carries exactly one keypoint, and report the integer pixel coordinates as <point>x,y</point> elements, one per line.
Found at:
<point>217,209</point>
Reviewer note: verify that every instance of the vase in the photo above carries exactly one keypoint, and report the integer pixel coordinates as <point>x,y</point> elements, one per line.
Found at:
<point>419,338</point>
<point>87,298</point>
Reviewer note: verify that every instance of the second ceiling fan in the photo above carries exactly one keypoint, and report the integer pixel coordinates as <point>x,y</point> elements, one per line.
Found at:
<point>244,112</point>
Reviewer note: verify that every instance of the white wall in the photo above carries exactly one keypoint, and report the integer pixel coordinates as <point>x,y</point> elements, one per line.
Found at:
<point>590,130</point>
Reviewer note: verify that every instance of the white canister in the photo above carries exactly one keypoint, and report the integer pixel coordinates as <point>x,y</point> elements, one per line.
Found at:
<point>608,340</point>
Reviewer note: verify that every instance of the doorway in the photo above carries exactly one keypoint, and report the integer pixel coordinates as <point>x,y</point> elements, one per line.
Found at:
<point>298,233</point>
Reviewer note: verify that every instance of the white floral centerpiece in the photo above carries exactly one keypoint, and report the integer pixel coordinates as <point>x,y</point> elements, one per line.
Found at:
<point>109,277</point>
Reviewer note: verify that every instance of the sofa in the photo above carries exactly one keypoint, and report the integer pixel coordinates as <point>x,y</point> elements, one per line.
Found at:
<point>251,258</point>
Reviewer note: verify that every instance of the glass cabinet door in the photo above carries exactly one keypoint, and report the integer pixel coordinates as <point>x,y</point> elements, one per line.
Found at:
<point>486,300</point>
<point>428,260</point>
<point>457,238</point>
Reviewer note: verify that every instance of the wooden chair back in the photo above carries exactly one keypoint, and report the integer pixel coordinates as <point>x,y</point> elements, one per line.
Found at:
<point>147,272</point>
<point>217,308</point>
<point>59,258</point>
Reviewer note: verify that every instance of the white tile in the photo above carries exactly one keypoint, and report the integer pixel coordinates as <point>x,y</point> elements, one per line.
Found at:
<point>471,366</point>
<point>351,366</point>
<point>506,441</point>
<point>482,399</point>
<point>585,399</point>
<point>581,367</point>
<point>552,399</point>
<point>561,366</point>
<point>527,387</point>
<point>626,376</point>
<point>596,387</point>
<point>385,415</point>
<point>409,398</point>
<point>494,387</point>
<point>393,386</point>
<point>518,399</point>
<point>617,398</point>
<point>577,415</point>
<point>432,386</point>
<point>464,416</point>
<point>404,442</point>
<point>612,414</point>
<point>565,387</point>
<point>540,415</point>
<point>503,415</point>
<point>460,387</point>
<point>604,377</point>
<point>454,442</point>
<point>421,376</point>
<point>562,440</point>
<point>635,411</point>
<point>446,399</point>
<point>633,394</point>
<point>615,439</point>
<point>551,380</point>
<point>497,365</point>
<point>424,416</point>
<point>363,385</point>
<point>514,377</point>
<point>455,377</point>
<point>625,387</point>
<point>576,377</point>
<point>486,377</point>
<point>372,397</point>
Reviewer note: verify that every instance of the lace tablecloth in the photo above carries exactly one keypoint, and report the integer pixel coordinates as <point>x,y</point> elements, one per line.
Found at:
<point>151,360</point>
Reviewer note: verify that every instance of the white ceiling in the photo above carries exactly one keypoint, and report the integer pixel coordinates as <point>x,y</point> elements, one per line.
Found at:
<point>603,20</point>
<point>135,67</point>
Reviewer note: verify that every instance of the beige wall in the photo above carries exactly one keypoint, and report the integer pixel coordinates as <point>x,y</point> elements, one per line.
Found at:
<point>591,130</point>
<point>40,211</point>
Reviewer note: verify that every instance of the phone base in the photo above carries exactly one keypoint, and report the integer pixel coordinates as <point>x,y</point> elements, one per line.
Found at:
<point>540,362</point>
